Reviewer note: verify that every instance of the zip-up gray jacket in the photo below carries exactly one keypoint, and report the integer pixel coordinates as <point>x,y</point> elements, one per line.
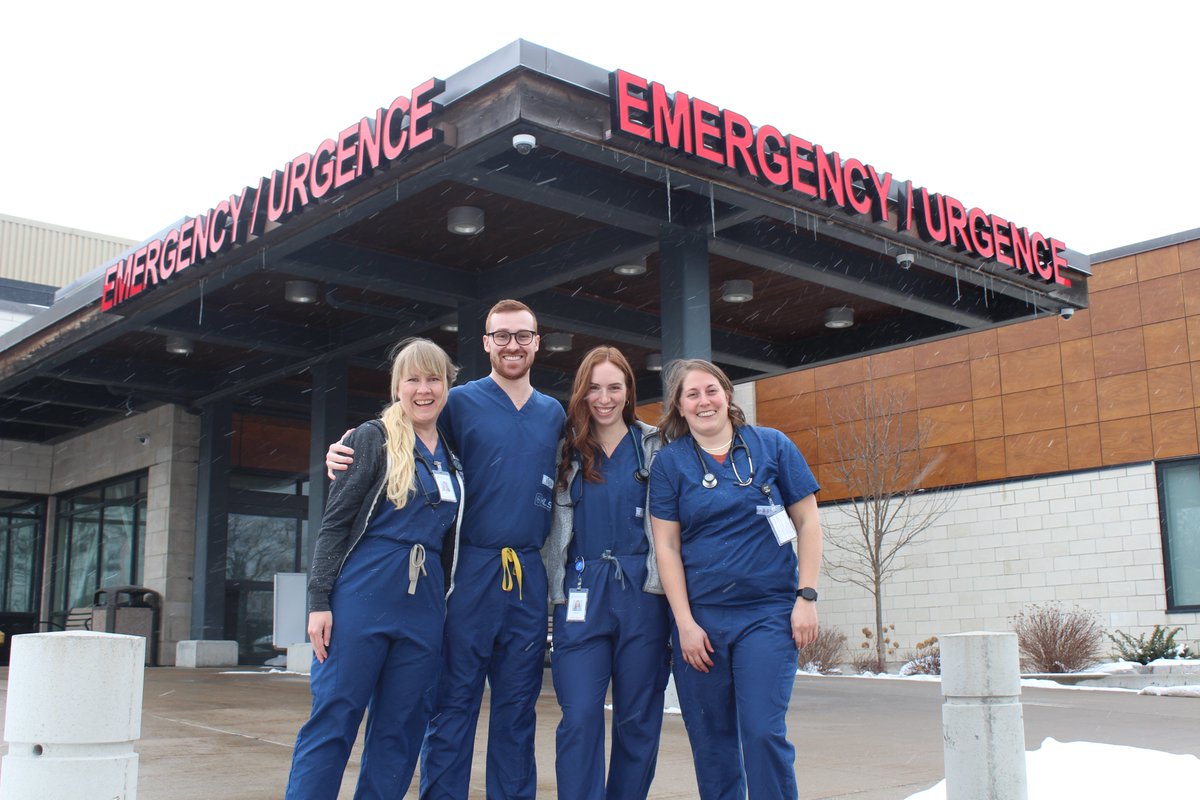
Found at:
<point>562,525</point>
<point>353,499</point>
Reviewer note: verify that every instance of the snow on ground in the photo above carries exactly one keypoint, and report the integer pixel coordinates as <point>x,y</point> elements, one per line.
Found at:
<point>1058,770</point>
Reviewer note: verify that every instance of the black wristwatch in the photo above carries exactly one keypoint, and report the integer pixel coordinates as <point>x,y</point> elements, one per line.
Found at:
<point>808,593</point>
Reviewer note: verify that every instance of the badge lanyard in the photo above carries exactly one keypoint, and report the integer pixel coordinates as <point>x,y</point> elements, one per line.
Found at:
<point>577,597</point>
<point>442,478</point>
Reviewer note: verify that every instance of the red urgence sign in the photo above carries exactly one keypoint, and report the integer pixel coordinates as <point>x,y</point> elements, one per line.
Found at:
<point>701,130</point>
<point>403,127</point>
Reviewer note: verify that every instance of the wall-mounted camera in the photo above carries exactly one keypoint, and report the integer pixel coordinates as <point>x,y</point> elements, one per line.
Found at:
<point>524,143</point>
<point>905,260</point>
<point>1066,312</point>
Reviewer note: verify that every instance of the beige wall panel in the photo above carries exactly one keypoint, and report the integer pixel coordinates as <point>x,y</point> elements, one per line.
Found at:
<point>985,377</point>
<point>1080,403</point>
<point>1122,396</point>
<point>1110,274</point>
<point>1174,433</point>
<point>1115,309</point>
<point>1034,410</point>
<point>1037,452</point>
<point>1118,353</point>
<point>1078,360</point>
<point>940,353</point>
<point>1124,441</point>
<point>1034,368</point>
<point>988,417</point>
<point>1161,299</point>
<point>1026,335</point>
<point>52,255</point>
<point>1083,446</point>
<point>982,344</point>
<point>1170,388</point>
<point>1166,343</point>
<point>1157,263</point>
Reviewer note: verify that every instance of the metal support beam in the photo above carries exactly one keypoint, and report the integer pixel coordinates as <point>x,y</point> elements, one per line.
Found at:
<point>472,360</point>
<point>328,422</point>
<point>686,316</point>
<point>212,522</point>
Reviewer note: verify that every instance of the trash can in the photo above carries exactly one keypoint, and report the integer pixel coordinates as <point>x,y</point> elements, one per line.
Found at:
<point>131,610</point>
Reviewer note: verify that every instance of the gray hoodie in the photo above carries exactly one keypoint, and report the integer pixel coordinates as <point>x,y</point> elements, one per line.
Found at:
<point>562,526</point>
<point>352,501</point>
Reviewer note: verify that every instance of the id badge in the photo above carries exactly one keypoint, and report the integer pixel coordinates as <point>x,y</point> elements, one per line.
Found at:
<point>781,523</point>
<point>445,486</point>
<point>577,605</point>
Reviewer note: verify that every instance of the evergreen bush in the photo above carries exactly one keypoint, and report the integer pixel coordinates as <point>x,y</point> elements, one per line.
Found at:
<point>1161,644</point>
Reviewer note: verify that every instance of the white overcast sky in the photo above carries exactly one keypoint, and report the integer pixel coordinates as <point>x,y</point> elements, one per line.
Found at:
<point>1075,119</point>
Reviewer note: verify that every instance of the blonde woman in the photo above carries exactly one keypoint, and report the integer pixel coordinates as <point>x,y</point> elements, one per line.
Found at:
<point>377,590</point>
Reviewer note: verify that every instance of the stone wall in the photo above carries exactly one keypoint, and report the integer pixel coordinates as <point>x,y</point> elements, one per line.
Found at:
<point>1090,539</point>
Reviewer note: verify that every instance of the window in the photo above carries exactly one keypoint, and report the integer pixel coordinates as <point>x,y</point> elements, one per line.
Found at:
<point>1179,508</point>
<point>99,539</point>
<point>21,520</point>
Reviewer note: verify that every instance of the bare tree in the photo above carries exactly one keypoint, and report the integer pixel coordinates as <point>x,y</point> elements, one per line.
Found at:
<point>879,461</point>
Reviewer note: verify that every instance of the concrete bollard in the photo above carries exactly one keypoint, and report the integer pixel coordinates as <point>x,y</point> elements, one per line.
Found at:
<point>74,711</point>
<point>982,728</point>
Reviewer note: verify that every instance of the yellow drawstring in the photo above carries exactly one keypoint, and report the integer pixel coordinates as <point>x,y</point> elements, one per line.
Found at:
<point>416,566</point>
<point>512,566</point>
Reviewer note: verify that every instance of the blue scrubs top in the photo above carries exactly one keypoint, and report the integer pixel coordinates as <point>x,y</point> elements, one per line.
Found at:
<point>730,555</point>
<point>425,518</point>
<point>508,463</point>
<point>611,515</point>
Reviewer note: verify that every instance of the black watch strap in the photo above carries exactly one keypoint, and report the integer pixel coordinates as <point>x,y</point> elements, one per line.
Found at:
<point>808,593</point>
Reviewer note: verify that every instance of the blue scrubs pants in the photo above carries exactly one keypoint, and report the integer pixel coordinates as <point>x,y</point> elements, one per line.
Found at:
<point>385,650</point>
<point>495,634</point>
<point>622,640</point>
<point>735,714</point>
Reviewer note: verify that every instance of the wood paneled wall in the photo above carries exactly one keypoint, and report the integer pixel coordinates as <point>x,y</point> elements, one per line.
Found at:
<point>1118,383</point>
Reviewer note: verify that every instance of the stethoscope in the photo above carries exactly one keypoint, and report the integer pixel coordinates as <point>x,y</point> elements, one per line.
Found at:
<point>709,481</point>
<point>455,467</point>
<point>641,474</point>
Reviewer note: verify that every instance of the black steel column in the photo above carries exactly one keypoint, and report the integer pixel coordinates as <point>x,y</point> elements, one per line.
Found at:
<point>686,319</point>
<point>472,360</point>
<point>212,521</point>
<point>327,424</point>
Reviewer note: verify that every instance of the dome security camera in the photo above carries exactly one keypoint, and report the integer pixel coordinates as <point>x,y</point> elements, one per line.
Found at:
<point>905,260</point>
<point>1066,312</point>
<point>524,143</point>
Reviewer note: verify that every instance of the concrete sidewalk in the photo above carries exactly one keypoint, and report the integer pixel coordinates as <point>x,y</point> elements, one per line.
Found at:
<point>209,733</point>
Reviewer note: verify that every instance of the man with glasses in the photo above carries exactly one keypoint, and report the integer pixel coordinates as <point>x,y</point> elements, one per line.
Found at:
<point>506,434</point>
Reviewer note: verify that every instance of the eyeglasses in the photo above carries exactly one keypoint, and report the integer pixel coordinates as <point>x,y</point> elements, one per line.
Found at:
<point>502,338</point>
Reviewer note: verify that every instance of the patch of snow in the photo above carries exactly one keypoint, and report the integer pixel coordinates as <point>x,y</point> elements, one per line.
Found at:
<point>1094,771</point>
<point>1172,691</point>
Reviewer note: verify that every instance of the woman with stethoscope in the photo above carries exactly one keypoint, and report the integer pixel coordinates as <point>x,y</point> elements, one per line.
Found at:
<point>610,618</point>
<point>732,505</point>
<point>377,588</point>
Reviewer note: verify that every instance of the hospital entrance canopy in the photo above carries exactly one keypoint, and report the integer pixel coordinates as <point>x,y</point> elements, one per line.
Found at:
<point>577,171</point>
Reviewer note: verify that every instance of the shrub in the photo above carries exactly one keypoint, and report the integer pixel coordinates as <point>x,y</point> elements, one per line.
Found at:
<point>926,660</point>
<point>1160,645</point>
<point>867,658</point>
<point>825,654</point>
<point>1054,639</point>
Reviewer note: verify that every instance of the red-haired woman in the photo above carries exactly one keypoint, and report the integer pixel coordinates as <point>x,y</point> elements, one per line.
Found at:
<point>610,618</point>
<point>738,539</point>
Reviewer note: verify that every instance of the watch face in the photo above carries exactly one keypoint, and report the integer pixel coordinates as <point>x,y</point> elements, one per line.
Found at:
<point>807,593</point>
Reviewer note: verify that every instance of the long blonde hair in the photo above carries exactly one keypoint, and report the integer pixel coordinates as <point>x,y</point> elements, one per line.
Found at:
<point>673,425</point>
<point>413,356</point>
